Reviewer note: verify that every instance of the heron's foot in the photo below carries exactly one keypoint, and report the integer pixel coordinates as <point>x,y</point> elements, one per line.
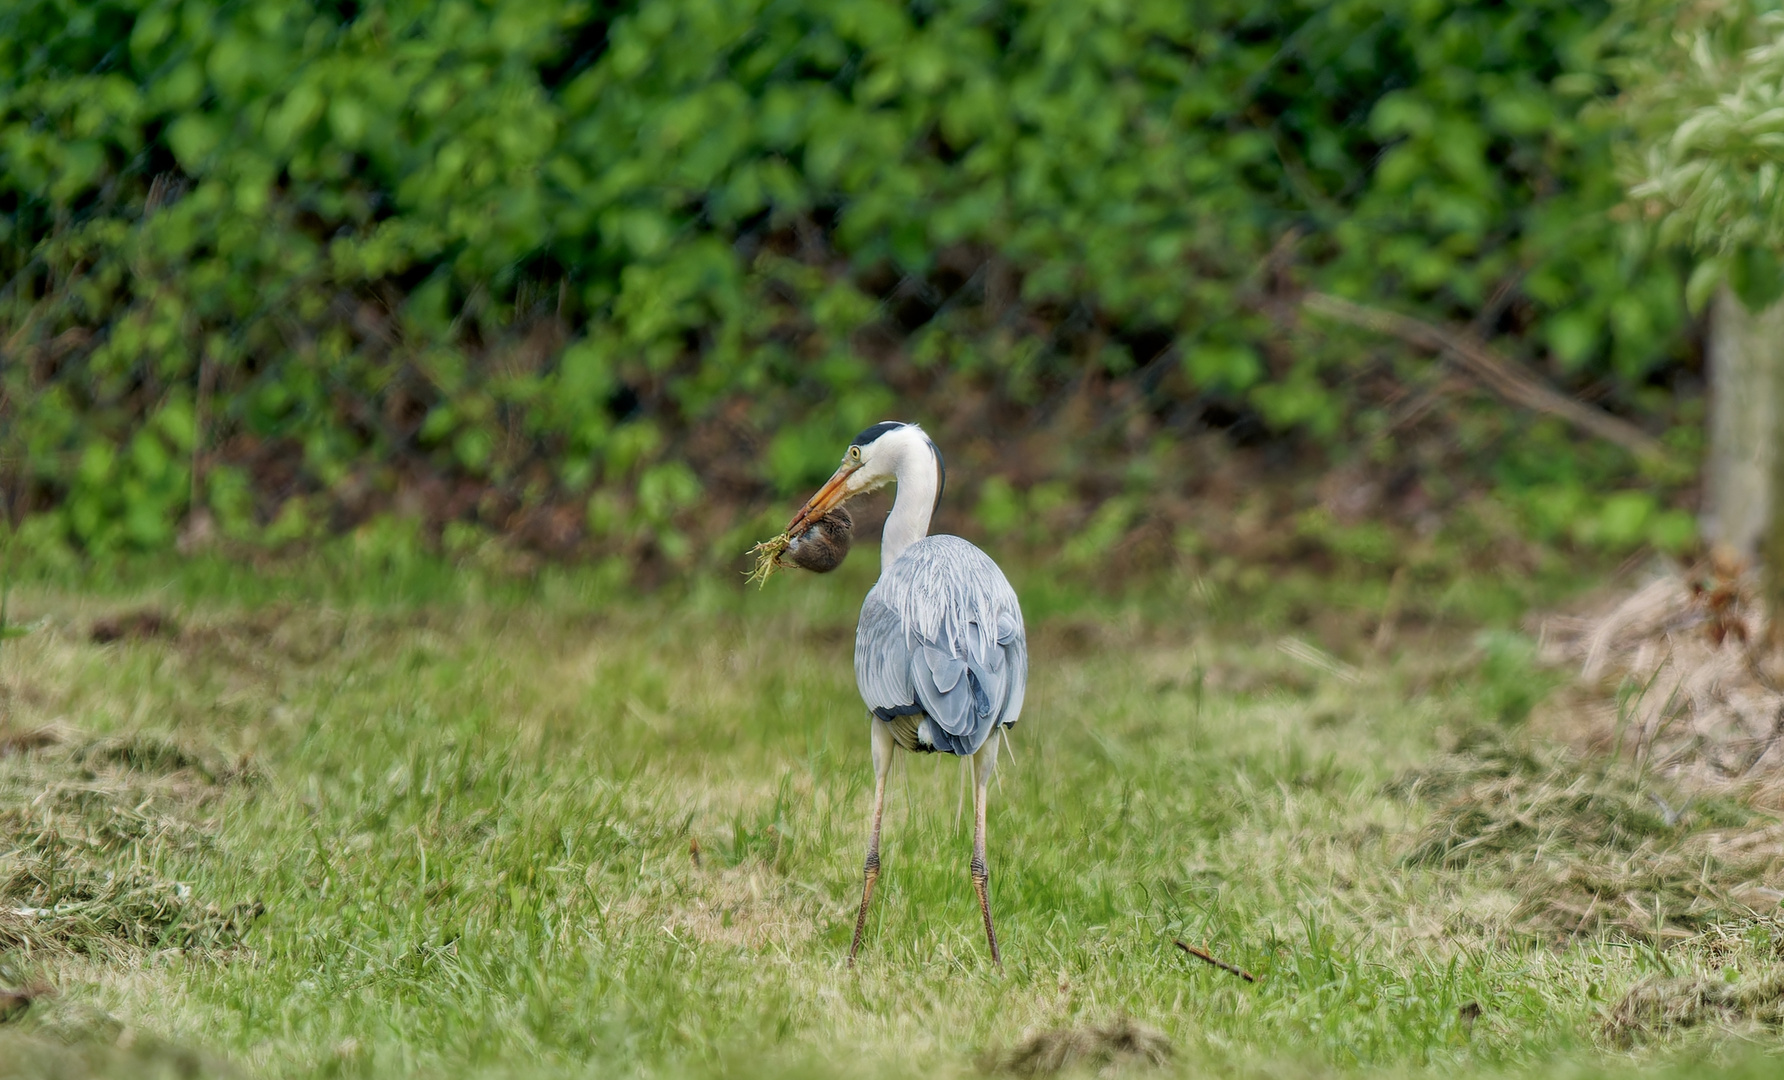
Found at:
<point>871,875</point>
<point>981,884</point>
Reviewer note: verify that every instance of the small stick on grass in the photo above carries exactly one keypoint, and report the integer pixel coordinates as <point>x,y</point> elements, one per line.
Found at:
<point>1202,954</point>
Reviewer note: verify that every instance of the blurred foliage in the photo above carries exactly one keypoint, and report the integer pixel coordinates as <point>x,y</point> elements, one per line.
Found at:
<point>565,266</point>
<point>1705,90</point>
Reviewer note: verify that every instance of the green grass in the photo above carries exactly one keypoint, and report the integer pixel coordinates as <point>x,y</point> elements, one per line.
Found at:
<point>470,823</point>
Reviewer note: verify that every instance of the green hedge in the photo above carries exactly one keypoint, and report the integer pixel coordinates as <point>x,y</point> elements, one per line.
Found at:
<point>529,255</point>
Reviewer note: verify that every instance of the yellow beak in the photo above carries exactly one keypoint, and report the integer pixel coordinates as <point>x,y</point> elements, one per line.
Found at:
<point>833,494</point>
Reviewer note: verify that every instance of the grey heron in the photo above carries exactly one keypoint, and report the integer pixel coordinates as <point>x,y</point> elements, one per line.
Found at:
<point>941,657</point>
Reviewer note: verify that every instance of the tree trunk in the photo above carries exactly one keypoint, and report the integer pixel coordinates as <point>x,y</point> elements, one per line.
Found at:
<point>1743,507</point>
<point>1773,561</point>
<point>1745,351</point>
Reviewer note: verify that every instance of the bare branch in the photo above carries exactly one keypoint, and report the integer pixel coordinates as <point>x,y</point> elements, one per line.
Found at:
<point>1499,374</point>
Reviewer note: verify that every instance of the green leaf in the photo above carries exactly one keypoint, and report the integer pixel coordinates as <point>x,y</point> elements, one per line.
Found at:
<point>1705,278</point>
<point>193,138</point>
<point>348,119</point>
<point>1573,335</point>
<point>1233,367</point>
<point>151,29</point>
<point>1756,277</point>
<point>1401,113</point>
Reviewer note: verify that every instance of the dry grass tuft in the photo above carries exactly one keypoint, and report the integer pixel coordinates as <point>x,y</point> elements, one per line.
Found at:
<point>84,825</point>
<point>1593,846</point>
<point>1102,1049</point>
<point>1677,676</point>
<point>1655,1007</point>
<point>1759,939</point>
<point>767,556</point>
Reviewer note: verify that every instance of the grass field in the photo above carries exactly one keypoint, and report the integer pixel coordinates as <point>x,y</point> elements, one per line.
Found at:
<point>541,832</point>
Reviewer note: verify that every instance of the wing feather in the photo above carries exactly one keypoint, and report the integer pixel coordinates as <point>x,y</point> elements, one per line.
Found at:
<point>944,670</point>
<point>883,658</point>
<point>941,634</point>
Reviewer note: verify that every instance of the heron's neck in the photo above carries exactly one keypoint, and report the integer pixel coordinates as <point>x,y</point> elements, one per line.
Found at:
<point>908,522</point>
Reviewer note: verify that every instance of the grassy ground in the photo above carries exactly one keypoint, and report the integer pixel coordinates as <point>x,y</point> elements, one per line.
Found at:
<point>554,834</point>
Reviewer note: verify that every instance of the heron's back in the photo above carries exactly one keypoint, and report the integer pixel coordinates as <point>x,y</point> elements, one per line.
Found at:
<point>940,651</point>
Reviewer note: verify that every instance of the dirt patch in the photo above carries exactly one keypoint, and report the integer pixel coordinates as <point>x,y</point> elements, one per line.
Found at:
<point>1591,845</point>
<point>15,1002</point>
<point>86,1043</point>
<point>148,753</point>
<point>1096,1049</point>
<point>23,742</point>
<point>1656,1007</point>
<point>134,626</point>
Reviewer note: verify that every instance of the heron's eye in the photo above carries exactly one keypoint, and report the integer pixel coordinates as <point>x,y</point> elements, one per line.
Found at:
<point>854,453</point>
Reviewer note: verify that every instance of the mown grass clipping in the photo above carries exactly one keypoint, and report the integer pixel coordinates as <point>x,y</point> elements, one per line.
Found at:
<point>1592,845</point>
<point>87,824</point>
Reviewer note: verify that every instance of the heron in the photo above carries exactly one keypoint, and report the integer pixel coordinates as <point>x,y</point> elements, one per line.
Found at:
<point>941,657</point>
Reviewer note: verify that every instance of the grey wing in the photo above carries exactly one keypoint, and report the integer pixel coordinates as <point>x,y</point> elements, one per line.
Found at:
<point>966,678</point>
<point>883,661</point>
<point>1015,647</point>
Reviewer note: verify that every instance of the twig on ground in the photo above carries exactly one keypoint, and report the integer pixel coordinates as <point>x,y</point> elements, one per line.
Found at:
<point>1203,955</point>
<point>1499,374</point>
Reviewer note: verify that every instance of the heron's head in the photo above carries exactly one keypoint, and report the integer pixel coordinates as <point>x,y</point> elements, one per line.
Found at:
<point>871,462</point>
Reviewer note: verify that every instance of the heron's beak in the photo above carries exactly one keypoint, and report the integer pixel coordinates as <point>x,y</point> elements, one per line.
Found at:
<point>833,494</point>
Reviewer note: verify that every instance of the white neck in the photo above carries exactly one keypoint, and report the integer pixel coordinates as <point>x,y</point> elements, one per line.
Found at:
<point>915,471</point>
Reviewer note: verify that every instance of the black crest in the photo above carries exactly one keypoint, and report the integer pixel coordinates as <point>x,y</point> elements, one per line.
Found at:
<point>867,437</point>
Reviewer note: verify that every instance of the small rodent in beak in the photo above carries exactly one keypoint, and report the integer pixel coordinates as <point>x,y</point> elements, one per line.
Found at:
<point>823,545</point>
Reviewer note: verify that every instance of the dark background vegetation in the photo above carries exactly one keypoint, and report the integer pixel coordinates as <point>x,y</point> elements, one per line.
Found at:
<point>602,279</point>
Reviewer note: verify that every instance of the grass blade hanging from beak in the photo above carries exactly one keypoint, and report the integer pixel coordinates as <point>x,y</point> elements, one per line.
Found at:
<point>820,547</point>
<point>767,554</point>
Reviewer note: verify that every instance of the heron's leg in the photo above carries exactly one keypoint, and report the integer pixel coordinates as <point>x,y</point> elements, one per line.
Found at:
<point>984,762</point>
<point>882,763</point>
